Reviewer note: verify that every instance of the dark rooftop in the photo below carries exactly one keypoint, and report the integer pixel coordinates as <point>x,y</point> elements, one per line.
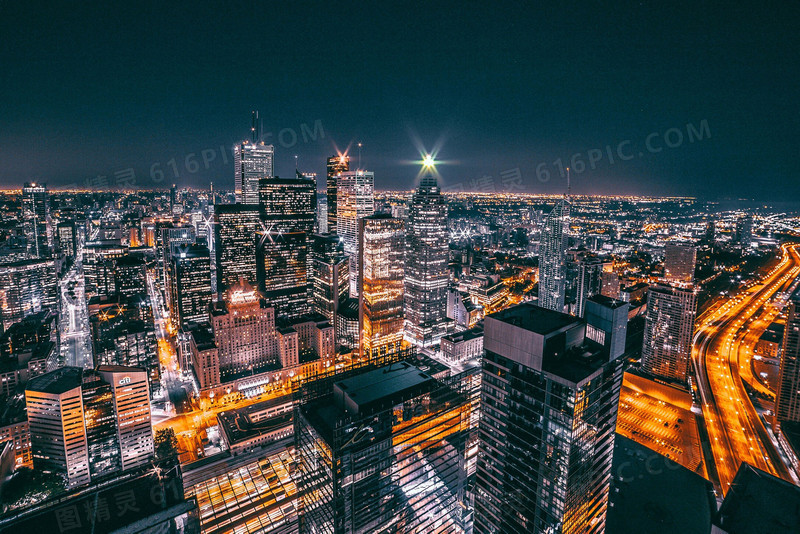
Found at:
<point>608,301</point>
<point>535,318</point>
<point>203,335</point>
<point>635,287</point>
<point>771,336</point>
<point>392,383</point>
<point>758,502</point>
<point>55,382</point>
<point>652,494</point>
<point>238,424</point>
<point>120,369</point>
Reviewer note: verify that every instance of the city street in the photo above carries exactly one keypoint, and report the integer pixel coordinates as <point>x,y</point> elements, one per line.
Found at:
<point>76,348</point>
<point>736,432</point>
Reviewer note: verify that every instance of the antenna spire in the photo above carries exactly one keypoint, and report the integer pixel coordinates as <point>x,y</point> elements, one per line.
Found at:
<point>359,156</point>
<point>255,127</point>
<point>569,186</point>
<point>295,163</point>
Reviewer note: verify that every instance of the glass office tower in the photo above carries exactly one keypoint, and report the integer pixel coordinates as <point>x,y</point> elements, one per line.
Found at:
<point>380,275</point>
<point>336,165</point>
<point>552,258</point>
<point>549,408</point>
<point>235,244</point>
<point>383,451</point>
<point>426,272</point>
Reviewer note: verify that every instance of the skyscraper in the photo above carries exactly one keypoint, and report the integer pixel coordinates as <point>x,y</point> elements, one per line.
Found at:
<point>132,410</point>
<point>288,209</point>
<point>590,282</point>
<point>607,323</point>
<point>744,231</point>
<point>36,218</point>
<point>130,275</point>
<point>288,204</point>
<point>787,398</point>
<point>282,267</point>
<point>67,239</point>
<point>355,199</point>
<point>86,424</point>
<point>552,259</point>
<point>549,406</point>
<point>668,330</point>
<point>252,160</point>
<point>191,283</point>
<point>235,231</point>
<point>101,425</point>
<point>27,287</point>
<point>56,418</point>
<point>329,274</point>
<point>380,276</point>
<point>711,232</point>
<point>426,272</point>
<point>384,451</point>
<point>336,165</point>
<point>679,262</point>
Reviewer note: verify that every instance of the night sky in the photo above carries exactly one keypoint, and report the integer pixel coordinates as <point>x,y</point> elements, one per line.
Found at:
<point>90,93</point>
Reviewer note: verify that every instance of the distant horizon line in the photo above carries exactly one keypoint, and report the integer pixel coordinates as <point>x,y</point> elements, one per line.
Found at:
<point>522,194</point>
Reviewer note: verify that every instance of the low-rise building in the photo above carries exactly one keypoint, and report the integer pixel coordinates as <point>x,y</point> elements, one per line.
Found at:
<point>462,346</point>
<point>258,426</point>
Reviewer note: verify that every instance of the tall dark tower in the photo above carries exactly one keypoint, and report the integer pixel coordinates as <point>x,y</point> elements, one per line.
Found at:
<point>287,211</point>
<point>36,218</point>
<point>426,272</point>
<point>336,164</point>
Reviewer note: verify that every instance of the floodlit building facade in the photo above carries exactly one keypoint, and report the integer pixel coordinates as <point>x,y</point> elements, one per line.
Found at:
<point>380,275</point>
<point>335,166</point>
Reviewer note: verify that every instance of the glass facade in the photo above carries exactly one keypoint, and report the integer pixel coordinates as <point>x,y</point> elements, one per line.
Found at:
<point>355,199</point>
<point>282,266</point>
<point>329,274</point>
<point>548,416</point>
<point>668,330</point>
<point>552,258</point>
<point>426,272</point>
<point>235,244</point>
<point>384,451</point>
<point>335,166</point>
<point>101,426</point>
<point>36,219</point>
<point>380,275</point>
<point>191,293</point>
<point>252,160</point>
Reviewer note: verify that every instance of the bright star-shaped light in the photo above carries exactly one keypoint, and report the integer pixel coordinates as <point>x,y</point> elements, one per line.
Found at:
<point>427,161</point>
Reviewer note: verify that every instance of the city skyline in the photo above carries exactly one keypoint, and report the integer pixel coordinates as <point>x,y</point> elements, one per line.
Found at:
<point>473,268</point>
